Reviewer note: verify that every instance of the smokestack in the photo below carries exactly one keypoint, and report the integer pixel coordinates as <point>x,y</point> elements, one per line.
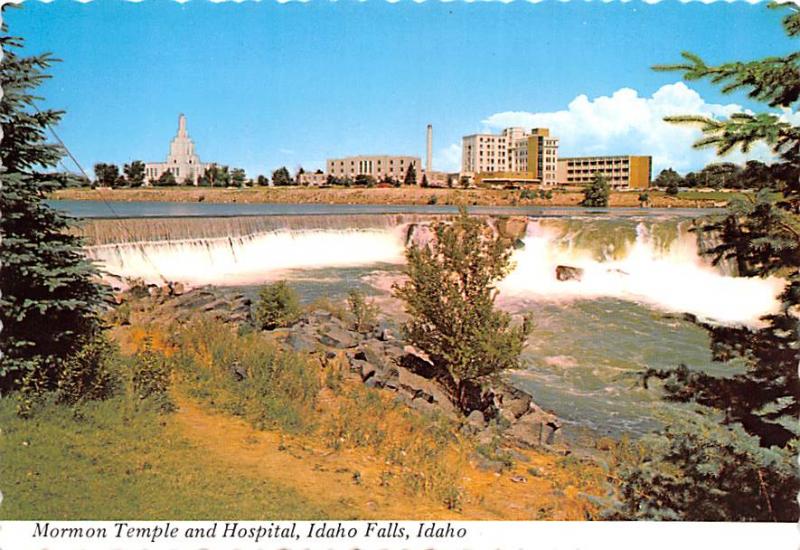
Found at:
<point>429,160</point>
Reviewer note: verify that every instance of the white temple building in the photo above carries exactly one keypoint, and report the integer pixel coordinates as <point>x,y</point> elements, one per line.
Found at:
<point>182,161</point>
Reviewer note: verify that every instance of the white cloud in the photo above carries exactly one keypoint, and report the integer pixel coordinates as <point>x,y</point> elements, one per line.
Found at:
<point>626,123</point>
<point>448,159</point>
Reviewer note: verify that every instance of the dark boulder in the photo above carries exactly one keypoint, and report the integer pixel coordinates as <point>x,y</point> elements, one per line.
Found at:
<point>568,273</point>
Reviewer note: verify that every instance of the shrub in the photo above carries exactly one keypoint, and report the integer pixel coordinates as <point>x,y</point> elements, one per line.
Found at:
<point>365,313</point>
<point>450,296</point>
<point>150,377</point>
<point>90,373</point>
<point>278,306</point>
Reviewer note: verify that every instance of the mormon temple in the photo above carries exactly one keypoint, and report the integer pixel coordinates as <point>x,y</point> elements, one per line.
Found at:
<point>181,160</point>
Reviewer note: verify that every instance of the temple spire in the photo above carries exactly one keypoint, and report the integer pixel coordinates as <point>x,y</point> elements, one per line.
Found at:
<point>181,125</point>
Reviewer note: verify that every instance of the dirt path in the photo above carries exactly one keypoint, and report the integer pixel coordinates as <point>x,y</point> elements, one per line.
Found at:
<point>347,483</point>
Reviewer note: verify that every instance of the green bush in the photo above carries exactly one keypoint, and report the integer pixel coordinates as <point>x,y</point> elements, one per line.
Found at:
<point>90,374</point>
<point>365,313</point>
<point>596,193</point>
<point>150,378</point>
<point>278,306</point>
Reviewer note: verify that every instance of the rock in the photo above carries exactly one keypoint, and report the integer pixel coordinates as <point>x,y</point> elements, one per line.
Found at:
<point>476,419</point>
<point>535,429</point>
<point>302,342</point>
<point>216,305</point>
<point>320,314</point>
<point>372,353</point>
<point>176,289</point>
<point>363,368</point>
<point>337,337</point>
<point>568,273</point>
<point>513,227</point>
<point>519,479</point>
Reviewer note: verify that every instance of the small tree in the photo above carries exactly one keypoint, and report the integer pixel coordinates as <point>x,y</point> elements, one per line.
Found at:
<point>238,177</point>
<point>644,199</point>
<point>278,306</point>
<point>668,178</point>
<point>364,312</point>
<point>411,175</point>
<point>424,181</point>
<point>262,180</point>
<point>450,295</point>
<point>596,193</point>
<point>365,180</point>
<point>281,177</point>
<point>166,179</point>
<point>106,175</point>
<point>134,173</point>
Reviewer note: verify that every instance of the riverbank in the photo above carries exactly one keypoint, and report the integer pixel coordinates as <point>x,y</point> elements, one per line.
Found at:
<point>387,196</point>
<point>328,444</point>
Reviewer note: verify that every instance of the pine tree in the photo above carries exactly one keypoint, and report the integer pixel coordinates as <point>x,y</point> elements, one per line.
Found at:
<point>49,300</point>
<point>762,235</point>
<point>411,175</point>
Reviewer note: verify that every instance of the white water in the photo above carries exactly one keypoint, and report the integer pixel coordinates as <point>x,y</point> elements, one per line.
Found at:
<point>250,259</point>
<point>673,279</point>
<point>676,279</point>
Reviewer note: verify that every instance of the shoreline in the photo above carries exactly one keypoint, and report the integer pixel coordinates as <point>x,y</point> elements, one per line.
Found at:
<point>383,196</point>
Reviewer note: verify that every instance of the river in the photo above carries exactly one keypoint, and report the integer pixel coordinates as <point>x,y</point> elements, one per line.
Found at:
<point>641,274</point>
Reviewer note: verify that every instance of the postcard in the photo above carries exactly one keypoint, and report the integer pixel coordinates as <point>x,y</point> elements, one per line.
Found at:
<point>399,275</point>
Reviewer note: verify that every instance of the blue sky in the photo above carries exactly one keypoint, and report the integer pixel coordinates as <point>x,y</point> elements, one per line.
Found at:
<point>266,84</point>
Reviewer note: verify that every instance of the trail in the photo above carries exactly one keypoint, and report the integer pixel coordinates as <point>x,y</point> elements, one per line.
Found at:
<point>326,478</point>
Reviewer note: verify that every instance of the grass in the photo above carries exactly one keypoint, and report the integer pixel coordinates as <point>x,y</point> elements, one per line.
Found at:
<point>111,461</point>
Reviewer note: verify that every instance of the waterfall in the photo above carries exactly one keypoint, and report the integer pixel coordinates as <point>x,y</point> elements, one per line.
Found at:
<point>655,262</point>
<point>647,267</point>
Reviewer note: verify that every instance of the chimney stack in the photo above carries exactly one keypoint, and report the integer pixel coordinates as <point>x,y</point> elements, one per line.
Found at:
<point>429,159</point>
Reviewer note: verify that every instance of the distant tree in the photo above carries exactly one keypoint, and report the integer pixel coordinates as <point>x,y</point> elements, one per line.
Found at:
<point>644,199</point>
<point>464,180</point>
<point>281,177</point>
<point>668,178</point>
<point>49,297</point>
<point>450,295</point>
<point>262,180</point>
<point>424,181</point>
<point>331,180</point>
<point>365,180</point>
<point>739,452</point>
<point>672,189</point>
<point>411,175</point>
<point>300,171</point>
<point>106,175</point>
<point>166,179</point>
<point>238,177</point>
<point>187,180</point>
<point>134,173</point>
<point>596,193</point>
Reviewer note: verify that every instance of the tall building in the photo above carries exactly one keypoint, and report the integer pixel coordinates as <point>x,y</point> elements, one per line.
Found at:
<point>182,161</point>
<point>513,156</point>
<point>379,167</point>
<point>622,171</point>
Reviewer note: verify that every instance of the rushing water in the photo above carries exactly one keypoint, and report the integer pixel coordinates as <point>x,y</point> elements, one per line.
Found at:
<point>592,337</point>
